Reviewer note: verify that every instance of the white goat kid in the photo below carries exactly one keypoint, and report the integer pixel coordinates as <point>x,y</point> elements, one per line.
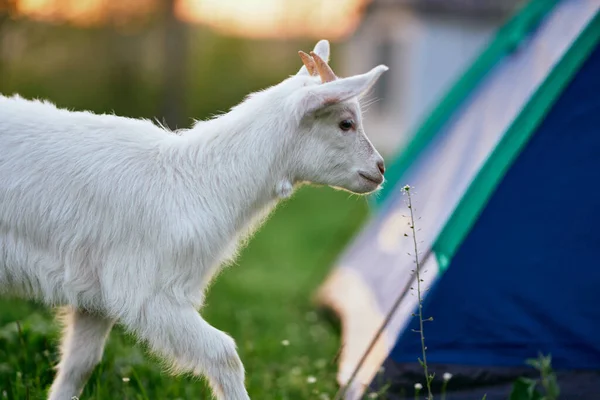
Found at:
<point>122,221</point>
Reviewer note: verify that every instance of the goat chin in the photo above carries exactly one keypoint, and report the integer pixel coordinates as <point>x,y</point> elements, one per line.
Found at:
<point>118,219</point>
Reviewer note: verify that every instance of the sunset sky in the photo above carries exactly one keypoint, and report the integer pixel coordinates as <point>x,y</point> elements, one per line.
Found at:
<point>249,18</point>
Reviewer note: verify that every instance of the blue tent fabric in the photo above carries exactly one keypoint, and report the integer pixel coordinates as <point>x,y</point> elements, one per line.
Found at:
<point>527,277</point>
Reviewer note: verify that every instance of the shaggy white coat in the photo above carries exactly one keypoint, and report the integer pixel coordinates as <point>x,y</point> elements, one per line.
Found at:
<point>124,221</point>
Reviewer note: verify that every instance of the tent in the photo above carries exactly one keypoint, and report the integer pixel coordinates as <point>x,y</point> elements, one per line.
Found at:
<point>505,172</point>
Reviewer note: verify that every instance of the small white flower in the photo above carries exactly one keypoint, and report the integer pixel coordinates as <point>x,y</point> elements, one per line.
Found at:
<point>418,386</point>
<point>285,342</point>
<point>373,395</point>
<point>311,379</point>
<point>311,316</point>
<point>296,371</point>
<point>447,376</point>
<point>126,379</point>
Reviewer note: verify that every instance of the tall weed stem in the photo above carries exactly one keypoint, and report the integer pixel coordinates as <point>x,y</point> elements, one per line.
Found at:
<point>423,362</point>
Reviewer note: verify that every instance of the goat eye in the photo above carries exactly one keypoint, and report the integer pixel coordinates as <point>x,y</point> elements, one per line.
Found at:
<point>346,124</point>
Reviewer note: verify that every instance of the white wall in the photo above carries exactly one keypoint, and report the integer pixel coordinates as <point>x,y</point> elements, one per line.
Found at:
<point>429,52</point>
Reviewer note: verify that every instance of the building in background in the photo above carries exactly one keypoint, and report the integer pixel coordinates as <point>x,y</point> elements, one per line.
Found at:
<point>427,44</point>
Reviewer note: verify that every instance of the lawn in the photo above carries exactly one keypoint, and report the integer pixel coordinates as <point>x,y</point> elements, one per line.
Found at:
<point>264,302</point>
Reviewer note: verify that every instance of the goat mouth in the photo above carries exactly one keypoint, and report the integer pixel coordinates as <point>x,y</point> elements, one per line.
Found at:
<point>376,181</point>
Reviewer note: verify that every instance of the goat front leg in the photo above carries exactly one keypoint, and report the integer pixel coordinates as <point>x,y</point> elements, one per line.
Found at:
<point>82,346</point>
<point>192,345</point>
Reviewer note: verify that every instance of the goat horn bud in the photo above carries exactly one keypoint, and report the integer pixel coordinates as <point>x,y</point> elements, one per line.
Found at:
<point>308,62</point>
<point>325,71</point>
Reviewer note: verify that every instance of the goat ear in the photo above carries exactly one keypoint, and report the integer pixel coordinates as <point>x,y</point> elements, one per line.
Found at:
<point>322,49</point>
<point>340,90</point>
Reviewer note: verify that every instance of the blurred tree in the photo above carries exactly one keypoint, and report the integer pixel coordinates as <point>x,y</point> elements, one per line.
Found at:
<point>174,63</point>
<point>7,8</point>
<point>123,51</point>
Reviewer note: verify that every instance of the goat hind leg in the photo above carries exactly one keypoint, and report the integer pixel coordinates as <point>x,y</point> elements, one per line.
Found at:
<point>180,334</point>
<point>82,346</point>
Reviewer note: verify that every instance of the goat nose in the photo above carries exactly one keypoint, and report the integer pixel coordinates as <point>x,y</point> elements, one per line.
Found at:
<point>381,166</point>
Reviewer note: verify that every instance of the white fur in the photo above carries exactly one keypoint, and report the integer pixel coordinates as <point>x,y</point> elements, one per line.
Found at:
<point>123,221</point>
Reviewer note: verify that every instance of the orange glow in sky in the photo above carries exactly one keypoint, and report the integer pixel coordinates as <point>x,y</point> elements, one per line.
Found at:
<point>249,18</point>
<point>84,12</point>
<point>274,18</point>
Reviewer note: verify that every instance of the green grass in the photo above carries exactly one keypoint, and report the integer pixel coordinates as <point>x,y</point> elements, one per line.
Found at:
<point>262,300</point>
